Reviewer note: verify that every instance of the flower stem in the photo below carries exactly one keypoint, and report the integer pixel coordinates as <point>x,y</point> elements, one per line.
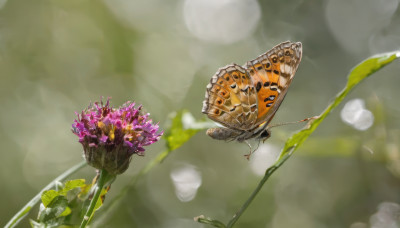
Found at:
<point>98,187</point>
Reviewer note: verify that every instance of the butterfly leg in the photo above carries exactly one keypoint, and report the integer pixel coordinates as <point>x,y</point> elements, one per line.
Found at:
<point>247,156</point>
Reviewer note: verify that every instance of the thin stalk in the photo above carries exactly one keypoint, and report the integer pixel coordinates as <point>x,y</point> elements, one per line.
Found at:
<point>25,210</point>
<point>98,187</point>
<point>253,195</point>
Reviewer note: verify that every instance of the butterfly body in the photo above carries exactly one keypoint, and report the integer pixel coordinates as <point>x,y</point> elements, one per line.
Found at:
<point>244,99</point>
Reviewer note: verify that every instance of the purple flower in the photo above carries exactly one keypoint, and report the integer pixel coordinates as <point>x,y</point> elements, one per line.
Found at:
<point>111,136</point>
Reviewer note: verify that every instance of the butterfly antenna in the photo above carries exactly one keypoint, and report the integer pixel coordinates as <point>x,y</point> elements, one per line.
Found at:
<point>294,122</point>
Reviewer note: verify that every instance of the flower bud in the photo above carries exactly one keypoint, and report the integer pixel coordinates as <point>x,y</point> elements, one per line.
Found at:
<point>111,136</point>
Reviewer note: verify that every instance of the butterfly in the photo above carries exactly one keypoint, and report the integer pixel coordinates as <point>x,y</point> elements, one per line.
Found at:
<point>244,99</point>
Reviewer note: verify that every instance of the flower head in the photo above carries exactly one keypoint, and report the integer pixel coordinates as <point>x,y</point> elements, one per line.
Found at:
<point>111,136</point>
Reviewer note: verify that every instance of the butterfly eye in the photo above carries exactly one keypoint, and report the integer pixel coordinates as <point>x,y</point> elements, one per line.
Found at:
<point>265,134</point>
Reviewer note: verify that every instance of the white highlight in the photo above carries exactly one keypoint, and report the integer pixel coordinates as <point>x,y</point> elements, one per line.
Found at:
<point>355,15</point>
<point>263,158</point>
<point>186,181</point>
<point>355,115</point>
<point>386,216</point>
<point>221,21</point>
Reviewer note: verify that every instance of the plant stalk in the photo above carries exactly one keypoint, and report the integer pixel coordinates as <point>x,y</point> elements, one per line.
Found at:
<point>98,188</point>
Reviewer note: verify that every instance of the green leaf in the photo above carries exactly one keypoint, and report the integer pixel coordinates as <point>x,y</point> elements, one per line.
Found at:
<point>183,127</point>
<point>66,212</point>
<point>54,209</point>
<point>69,185</point>
<point>48,196</point>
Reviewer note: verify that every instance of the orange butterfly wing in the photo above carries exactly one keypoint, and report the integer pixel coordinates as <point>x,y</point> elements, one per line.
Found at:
<point>245,99</point>
<point>272,74</point>
<point>231,98</point>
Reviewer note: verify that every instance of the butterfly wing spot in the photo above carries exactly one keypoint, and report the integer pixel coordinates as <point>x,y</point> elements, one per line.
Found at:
<point>274,59</point>
<point>270,98</point>
<point>266,84</point>
<point>258,86</point>
<point>276,72</point>
<point>235,75</point>
<point>269,104</point>
<point>224,94</point>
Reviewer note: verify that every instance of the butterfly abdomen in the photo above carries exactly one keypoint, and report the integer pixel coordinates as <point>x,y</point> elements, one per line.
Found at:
<point>222,133</point>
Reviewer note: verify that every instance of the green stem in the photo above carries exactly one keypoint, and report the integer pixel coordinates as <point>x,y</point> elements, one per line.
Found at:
<point>268,173</point>
<point>98,187</point>
<point>25,210</point>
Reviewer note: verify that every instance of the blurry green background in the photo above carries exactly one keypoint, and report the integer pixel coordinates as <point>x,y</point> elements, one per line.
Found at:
<point>58,55</point>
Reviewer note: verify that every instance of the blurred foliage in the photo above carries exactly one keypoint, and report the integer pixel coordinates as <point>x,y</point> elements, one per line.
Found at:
<point>55,56</point>
<point>183,127</point>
